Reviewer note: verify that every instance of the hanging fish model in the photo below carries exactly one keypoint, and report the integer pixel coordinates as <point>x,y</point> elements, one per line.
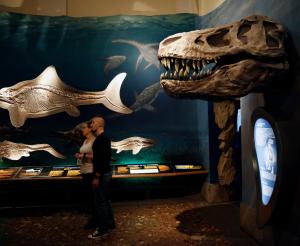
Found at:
<point>48,94</point>
<point>133,143</point>
<point>14,151</point>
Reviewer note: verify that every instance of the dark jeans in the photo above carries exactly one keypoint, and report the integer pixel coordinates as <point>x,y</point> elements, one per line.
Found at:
<point>88,197</point>
<point>105,214</point>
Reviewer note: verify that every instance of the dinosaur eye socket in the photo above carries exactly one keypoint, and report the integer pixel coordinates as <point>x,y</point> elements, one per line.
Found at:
<point>171,40</point>
<point>219,39</point>
<point>243,29</point>
<point>271,32</point>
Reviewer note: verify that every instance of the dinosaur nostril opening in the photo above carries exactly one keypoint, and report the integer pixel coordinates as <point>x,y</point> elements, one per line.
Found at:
<point>170,40</point>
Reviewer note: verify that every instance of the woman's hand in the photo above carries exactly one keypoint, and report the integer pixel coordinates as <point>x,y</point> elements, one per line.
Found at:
<point>95,182</point>
<point>78,155</point>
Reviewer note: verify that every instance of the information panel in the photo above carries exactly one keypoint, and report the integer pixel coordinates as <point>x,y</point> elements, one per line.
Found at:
<point>266,152</point>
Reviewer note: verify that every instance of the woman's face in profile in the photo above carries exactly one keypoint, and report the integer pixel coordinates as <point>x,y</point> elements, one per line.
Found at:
<point>86,130</point>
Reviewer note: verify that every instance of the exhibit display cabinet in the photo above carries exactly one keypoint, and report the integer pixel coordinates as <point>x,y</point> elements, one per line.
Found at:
<point>119,171</point>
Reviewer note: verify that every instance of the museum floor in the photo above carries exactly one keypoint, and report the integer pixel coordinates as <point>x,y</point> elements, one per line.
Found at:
<point>176,221</point>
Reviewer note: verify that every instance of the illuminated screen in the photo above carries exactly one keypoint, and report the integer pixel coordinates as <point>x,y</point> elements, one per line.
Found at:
<point>266,152</point>
<point>238,120</point>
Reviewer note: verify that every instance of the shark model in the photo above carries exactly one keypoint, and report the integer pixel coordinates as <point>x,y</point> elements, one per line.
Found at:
<point>148,52</point>
<point>133,143</point>
<point>14,151</point>
<point>113,62</point>
<point>48,94</point>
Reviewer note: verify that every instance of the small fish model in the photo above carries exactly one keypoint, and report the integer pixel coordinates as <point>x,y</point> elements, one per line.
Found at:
<point>113,62</point>
<point>148,52</point>
<point>48,94</point>
<point>133,143</point>
<point>14,151</point>
<point>144,100</point>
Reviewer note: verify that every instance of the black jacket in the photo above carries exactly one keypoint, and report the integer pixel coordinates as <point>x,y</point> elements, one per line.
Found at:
<point>102,154</point>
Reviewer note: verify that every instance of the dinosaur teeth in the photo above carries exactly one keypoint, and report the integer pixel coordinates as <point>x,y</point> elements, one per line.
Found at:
<point>187,68</point>
<point>181,72</point>
<point>168,64</point>
<point>194,64</point>
<point>183,62</point>
<point>175,75</point>
<point>177,67</point>
<point>199,65</point>
<point>163,62</point>
<point>186,74</point>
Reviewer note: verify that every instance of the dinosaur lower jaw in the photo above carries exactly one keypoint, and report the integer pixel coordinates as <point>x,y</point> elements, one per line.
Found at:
<point>224,81</point>
<point>191,69</point>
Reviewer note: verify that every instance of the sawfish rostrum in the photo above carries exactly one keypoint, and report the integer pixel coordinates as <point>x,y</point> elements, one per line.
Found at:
<point>48,94</point>
<point>14,151</point>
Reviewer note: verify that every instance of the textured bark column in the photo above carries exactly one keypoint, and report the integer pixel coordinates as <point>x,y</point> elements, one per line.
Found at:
<point>225,120</point>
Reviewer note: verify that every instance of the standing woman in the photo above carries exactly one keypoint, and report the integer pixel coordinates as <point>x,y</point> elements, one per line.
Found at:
<point>85,161</point>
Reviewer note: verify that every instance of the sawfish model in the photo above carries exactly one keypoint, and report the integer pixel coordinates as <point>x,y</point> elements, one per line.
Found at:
<point>48,94</point>
<point>133,143</point>
<point>147,52</point>
<point>14,151</point>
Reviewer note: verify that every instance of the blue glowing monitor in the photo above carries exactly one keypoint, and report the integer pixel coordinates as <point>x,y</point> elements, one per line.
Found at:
<point>238,120</point>
<point>266,152</point>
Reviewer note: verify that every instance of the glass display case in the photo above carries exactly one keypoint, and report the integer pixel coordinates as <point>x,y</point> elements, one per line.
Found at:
<point>184,167</point>
<point>119,171</point>
<point>8,173</point>
<point>30,172</point>
<point>158,170</point>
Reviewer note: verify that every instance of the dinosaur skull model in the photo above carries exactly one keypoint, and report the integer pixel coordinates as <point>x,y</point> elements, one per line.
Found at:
<point>224,62</point>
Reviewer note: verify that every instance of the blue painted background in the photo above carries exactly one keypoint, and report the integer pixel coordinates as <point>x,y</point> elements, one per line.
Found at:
<point>77,48</point>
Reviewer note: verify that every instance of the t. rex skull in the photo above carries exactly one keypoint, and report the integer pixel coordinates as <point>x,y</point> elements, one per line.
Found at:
<point>223,62</point>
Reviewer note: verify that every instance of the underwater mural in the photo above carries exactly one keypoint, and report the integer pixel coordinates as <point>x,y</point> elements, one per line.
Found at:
<point>89,52</point>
